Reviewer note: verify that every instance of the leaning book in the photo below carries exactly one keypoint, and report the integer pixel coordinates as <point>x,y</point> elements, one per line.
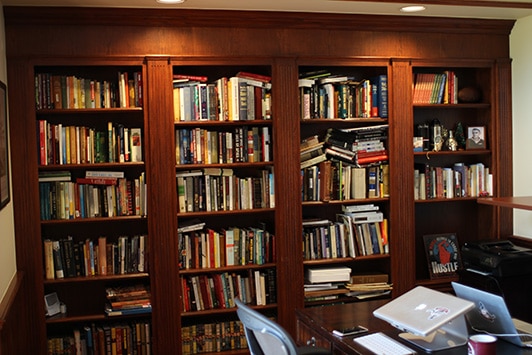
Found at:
<point>443,254</point>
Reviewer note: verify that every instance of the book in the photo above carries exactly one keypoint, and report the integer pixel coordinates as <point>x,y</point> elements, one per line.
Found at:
<point>329,274</point>
<point>110,312</point>
<point>368,278</point>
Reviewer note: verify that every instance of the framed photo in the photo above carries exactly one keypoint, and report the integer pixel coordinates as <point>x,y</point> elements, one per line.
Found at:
<point>443,254</point>
<point>4,149</point>
<point>476,137</point>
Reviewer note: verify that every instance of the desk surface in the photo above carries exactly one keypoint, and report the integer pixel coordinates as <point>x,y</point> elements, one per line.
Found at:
<point>324,319</point>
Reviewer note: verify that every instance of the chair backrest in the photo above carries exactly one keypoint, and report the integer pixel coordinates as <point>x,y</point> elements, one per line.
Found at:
<point>263,335</point>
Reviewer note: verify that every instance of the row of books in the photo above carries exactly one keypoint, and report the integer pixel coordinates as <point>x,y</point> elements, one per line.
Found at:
<point>213,337</point>
<point>59,144</point>
<point>104,339</point>
<point>435,88</point>
<point>91,196</point>
<point>218,290</point>
<point>344,238</point>
<point>127,300</point>
<point>73,92</point>
<point>460,180</point>
<point>67,257</point>
<point>207,248</point>
<point>243,97</point>
<point>217,189</point>
<point>341,96</point>
<point>242,145</point>
<point>336,180</point>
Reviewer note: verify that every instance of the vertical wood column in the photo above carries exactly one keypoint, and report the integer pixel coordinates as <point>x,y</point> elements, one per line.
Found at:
<point>25,200</point>
<point>288,227</point>
<point>162,207</point>
<point>402,207</point>
<point>502,144</point>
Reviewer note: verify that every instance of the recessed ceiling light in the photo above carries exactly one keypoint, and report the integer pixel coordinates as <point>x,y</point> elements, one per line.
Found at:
<point>412,8</point>
<point>170,1</point>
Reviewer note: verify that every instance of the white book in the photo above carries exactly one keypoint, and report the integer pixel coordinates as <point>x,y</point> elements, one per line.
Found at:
<point>366,217</point>
<point>136,144</point>
<point>229,247</point>
<point>114,174</point>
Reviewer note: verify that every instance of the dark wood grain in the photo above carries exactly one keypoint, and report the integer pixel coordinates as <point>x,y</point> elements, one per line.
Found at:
<point>159,40</point>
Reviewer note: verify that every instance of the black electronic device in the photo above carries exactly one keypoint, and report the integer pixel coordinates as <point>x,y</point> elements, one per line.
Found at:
<point>350,331</point>
<point>497,257</point>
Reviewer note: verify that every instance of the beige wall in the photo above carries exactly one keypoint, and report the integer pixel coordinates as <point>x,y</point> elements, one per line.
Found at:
<point>521,54</point>
<point>7,233</point>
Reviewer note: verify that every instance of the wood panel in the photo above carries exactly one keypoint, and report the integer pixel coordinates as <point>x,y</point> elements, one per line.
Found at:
<point>84,36</point>
<point>162,206</point>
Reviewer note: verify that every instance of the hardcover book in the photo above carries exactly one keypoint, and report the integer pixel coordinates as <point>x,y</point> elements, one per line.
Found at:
<point>443,254</point>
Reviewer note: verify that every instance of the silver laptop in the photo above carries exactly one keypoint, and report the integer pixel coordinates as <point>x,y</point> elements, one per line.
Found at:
<point>431,319</point>
<point>491,315</point>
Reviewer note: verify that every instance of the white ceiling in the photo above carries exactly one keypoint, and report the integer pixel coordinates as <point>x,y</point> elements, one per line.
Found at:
<point>494,9</point>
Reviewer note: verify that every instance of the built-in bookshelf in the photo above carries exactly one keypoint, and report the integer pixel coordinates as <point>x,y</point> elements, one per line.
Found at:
<point>451,172</point>
<point>226,194</point>
<point>168,45</point>
<point>93,202</point>
<point>344,174</point>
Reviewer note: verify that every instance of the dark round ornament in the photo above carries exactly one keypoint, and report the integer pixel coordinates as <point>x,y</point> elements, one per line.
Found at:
<point>469,94</point>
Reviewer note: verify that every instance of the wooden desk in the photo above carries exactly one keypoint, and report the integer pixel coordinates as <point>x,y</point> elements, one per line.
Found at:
<point>316,324</point>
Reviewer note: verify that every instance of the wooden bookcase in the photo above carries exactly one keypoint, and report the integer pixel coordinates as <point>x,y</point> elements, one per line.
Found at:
<point>214,43</point>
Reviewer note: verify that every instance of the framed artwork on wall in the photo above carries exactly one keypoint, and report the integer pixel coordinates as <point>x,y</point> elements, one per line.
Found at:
<point>4,148</point>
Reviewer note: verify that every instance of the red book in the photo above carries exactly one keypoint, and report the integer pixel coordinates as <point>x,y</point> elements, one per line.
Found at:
<point>260,77</point>
<point>190,77</point>
<point>97,181</point>
<point>219,290</point>
<point>372,159</point>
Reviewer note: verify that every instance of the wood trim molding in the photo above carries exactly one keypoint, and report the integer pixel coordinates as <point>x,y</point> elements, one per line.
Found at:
<point>9,298</point>
<point>182,18</point>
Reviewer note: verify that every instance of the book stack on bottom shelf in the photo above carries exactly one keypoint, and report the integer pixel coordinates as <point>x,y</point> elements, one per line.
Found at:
<point>369,285</point>
<point>326,283</point>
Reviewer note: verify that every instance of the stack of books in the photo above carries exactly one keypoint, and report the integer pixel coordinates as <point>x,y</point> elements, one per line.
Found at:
<point>358,146</point>
<point>128,300</point>
<point>312,152</point>
<point>326,283</point>
<point>368,285</point>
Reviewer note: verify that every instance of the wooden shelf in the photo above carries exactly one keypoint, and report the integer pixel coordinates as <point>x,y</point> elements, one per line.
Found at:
<point>523,202</point>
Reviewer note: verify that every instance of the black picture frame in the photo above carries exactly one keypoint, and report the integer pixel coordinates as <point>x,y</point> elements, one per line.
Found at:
<point>443,254</point>
<point>5,196</point>
<point>476,137</point>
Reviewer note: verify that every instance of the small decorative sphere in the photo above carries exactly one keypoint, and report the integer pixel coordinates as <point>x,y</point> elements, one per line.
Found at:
<point>469,94</point>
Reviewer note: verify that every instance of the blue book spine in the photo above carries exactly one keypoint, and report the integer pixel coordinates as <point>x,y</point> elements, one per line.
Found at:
<point>382,94</point>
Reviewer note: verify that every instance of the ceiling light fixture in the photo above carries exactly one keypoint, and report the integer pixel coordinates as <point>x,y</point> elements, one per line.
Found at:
<point>413,8</point>
<point>167,2</point>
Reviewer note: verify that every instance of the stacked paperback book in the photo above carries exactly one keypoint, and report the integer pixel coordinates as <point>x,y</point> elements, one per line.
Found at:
<point>368,285</point>
<point>326,283</point>
<point>128,300</point>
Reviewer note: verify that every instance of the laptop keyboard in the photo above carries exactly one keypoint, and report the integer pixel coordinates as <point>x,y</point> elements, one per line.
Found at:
<point>380,343</point>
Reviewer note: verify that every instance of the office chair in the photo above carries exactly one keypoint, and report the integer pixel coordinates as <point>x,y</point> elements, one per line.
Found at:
<point>265,337</point>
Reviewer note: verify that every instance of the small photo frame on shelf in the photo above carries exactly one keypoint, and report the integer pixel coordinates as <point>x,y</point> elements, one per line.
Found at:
<point>443,254</point>
<point>4,148</point>
<point>476,137</point>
